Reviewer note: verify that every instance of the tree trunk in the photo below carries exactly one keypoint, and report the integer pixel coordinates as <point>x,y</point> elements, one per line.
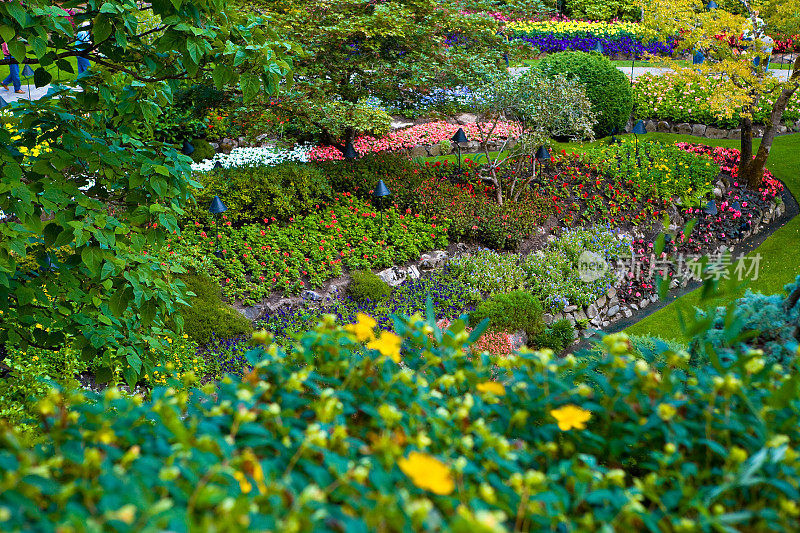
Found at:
<point>752,169</point>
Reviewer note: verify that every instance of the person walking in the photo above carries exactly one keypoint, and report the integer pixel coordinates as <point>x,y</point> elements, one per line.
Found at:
<point>13,76</point>
<point>83,41</point>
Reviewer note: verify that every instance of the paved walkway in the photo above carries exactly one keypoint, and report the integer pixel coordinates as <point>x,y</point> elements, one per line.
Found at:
<point>638,71</point>
<point>34,94</point>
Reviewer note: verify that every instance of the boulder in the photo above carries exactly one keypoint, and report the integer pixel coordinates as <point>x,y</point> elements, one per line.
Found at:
<point>435,150</point>
<point>419,151</point>
<point>466,118</point>
<point>314,296</point>
<point>251,313</point>
<point>644,303</point>
<point>570,308</point>
<point>781,129</point>
<point>612,292</point>
<point>649,126</point>
<point>717,193</point>
<point>412,272</point>
<point>613,310</point>
<point>716,133</point>
<point>735,133</point>
<point>547,319</point>
<point>662,126</point>
<point>393,276</point>
<point>435,259</point>
<point>591,311</point>
<point>758,131</point>
<point>601,302</point>
<point>683,129</point>
<point>698,130</point>
<point>628,313</point>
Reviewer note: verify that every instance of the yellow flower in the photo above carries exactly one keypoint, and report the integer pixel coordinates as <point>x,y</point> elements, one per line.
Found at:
<point>427,472</point>
<point>388,344</point>
<point>244,484</point>
<point>490,386</point>
<point>363,328</point>
<point>571,416</point>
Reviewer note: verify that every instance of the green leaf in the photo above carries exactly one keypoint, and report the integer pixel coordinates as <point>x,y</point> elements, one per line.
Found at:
<point>92,257</point>
<point>251,86</point>
<point>41,77</point>
<point>101,28</point>
<point>7,33</point>
<point>118,303</point>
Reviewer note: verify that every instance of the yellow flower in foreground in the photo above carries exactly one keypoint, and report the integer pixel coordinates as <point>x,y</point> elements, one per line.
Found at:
<point>388,344</point>
<point>571,416</point>
<point>244,484</point>
<point>427,472</point>
<point>363,328</point>
<point>490,386</point>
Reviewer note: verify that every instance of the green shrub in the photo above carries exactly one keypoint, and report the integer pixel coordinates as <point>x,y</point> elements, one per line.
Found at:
<point>252,194</point>
<point>444,442</point>
<point>366,286</point>
<point>768,323</point>
<point>556,337</point>
<point>207,315</point>
<point>607,88</point>
<point>202,150</point>
<point>605,10</point>
<point>516,310</point>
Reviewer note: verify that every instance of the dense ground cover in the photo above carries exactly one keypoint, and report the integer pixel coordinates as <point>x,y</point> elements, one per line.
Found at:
<point>352,440</point>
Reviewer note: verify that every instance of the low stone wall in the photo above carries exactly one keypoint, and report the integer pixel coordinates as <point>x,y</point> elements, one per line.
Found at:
<point>709,132</point>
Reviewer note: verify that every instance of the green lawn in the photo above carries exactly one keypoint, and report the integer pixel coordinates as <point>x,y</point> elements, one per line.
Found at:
<point>780,253</point>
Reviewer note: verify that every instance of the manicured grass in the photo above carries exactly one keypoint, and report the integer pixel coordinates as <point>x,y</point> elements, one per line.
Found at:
<point>780,253</point>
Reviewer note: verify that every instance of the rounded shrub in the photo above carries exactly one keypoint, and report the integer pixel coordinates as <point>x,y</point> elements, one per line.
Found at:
<point>511,312</point>
<point>207,314</point>
<point>202,150</point>
<point>556,337</point>
<point>608,89</point>
<point>366,286</point>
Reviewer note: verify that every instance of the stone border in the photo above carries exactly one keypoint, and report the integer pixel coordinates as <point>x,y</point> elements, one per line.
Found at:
<point>709,132</point>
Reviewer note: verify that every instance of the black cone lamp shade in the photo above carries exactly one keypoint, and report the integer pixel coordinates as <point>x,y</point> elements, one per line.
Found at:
<point>349,151</point>
<point>639,129</point>
<point>27,71</point>
<point>698,58</point>
<point>188,148</point>
<point>216,206</point>
<point>712,5</point>
<point>543,154</point>
<point>3,103</point>
<point>381,190</point>
<point>737,206</point>
<point>460,137</point>
<point>217,165</point>
<point>711,208</point>
<point>598,48</point>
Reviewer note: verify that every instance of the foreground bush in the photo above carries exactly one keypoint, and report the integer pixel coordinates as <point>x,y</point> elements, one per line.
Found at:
<point>341,437</point>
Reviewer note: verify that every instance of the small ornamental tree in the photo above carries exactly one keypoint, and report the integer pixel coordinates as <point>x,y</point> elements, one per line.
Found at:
<point>735,48</point>
<point>85,200</point>
<point>392,50</point>
<point>543,107</point>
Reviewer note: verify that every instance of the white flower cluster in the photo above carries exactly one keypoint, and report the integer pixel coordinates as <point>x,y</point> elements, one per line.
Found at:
<point>254,156</point>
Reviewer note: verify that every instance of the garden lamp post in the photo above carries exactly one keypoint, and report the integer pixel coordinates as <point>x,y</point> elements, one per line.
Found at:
<point>458,138</point>
<point>188,148</point>
<point>217,208</point>
<point>598,48</point>
<point>27,72</point>
<point>217,165</point>
<point>380,192</point>
<point>638,129</point>
<point>542,155</point>
<point>349,151</point>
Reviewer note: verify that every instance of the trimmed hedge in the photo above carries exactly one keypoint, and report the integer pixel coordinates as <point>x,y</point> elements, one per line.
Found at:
<point>207,315</point>
<point>608,89</point>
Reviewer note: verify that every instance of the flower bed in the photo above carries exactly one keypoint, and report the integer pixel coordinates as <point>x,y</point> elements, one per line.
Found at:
<point>617,38</point>
<point>254,156</point>
<point>257,260</point>
<point>408,138</point>
<point>690,97</point>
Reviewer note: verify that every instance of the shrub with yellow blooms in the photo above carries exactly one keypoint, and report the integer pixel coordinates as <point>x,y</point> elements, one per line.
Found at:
<point>362,429</point>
